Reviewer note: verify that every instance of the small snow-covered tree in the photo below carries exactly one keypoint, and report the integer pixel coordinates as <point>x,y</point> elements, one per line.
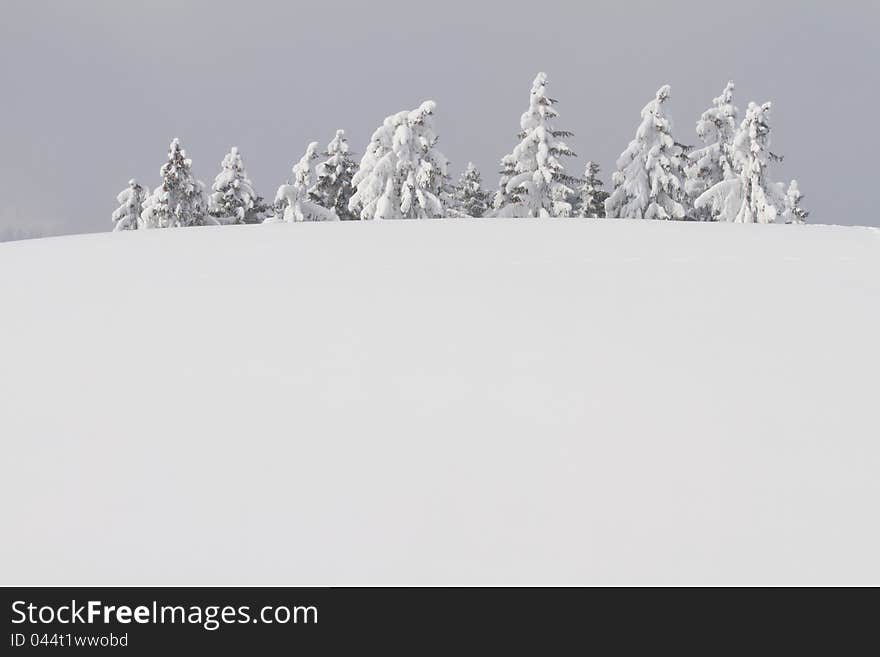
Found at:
<point>131,200</point>
<point>713,163</point>
<point>750,196</point>
<point>402,174</point>
<point>233,199</point>
<point>591,196</point>
<point>649,178</point>
<point>332,189</point>
<point>794,213</point>
<point>180,199</point>
<point>533,179</point>
<point>504,198</point>
<point>469,199</point>
<point>293,202</point>
<point>447,197</point>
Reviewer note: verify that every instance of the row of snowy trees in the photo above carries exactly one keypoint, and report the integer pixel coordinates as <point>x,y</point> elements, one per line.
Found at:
<point>727,179</point>
<point>403,175</point>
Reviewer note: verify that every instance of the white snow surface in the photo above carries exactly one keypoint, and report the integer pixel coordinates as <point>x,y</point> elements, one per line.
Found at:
<point>442,402</point>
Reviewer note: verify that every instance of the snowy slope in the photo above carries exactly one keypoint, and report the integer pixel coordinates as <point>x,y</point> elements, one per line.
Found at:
<point>483,401</point>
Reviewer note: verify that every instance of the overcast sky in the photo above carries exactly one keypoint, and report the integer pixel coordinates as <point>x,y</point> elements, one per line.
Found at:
<point>93,91</point>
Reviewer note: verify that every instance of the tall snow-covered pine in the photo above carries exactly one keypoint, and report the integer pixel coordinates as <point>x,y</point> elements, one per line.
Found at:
<point>332,189</point>
<point>649,180</point>
<point>749,196</point>
<point>709,165</point>
<point>533,178</point>
<point>402,174</point>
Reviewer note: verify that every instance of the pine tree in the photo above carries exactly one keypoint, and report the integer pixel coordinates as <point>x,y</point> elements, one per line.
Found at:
<point>131,200</point>
<point>714,162</point>
<point>233,200</point>
<point>794,213</point>
<point>180,199</point>
<point>591,196</point>
<point>447,197</point>
<point>504,197</point>
<point>469,199</point>
<point>402,174</point>
<point>293,202</point>
<point>750,196</point>
<point>332,189</point>
<point>649,177</point>
<point>534,182</point>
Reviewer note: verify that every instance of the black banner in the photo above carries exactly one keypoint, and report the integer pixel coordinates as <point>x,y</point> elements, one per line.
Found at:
<point>415,620</point>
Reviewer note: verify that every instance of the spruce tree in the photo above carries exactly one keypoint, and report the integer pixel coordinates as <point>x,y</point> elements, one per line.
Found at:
<point>749,196</point>
<point>293,202</point>
<point>233,199</point>
<point>649,178</point>
<point>591,196</point>
<point>180,199</point>
<point>709,165</point>
<point>534,182</point>
<point>332,189</point>
<point>402,174</point>
<point>505,197</point>
<point>794,213</point>
<point>469,199</point>
<point>131,200</point>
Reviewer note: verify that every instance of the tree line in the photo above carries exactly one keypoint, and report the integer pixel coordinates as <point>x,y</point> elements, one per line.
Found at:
<point>403,175</point>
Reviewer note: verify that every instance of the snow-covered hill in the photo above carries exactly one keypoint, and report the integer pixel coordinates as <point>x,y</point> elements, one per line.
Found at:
<point>519,401</point>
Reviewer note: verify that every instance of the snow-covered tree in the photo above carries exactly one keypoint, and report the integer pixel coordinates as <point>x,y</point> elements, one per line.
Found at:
<point>131,200</point>
<point>402,173</point>
<point>447,197</point>
<point>469,199</point>
<point>180,199</point>
<point>502,198</point>
<point>233,199</point>
<point>533,179</point>
<point>649,180</point>
<point>794,213</point>
<point>713,163</point>
<point>332,189</point>
<point>293,202</point>
<point>591,196</point>
<point>750,196</point>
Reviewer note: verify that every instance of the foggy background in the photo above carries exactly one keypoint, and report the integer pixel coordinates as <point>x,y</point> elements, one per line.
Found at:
<point>93,91</point>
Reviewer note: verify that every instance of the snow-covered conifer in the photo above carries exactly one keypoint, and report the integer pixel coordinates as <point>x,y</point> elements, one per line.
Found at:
<point>591,196</point>
<point>534,182</point>
<point>750,196</point>
<point>332,189</point>
<point>504,198</point>
<point>447,197</point>
<point>794,213</point>
<point>180,199</point>
<point>469,199</point>
<point>713,163</point>
<point>131,200</point>
<point>293,202</point>
<point>649,178</point>
<point>402,173</point>
<point>233,199</point>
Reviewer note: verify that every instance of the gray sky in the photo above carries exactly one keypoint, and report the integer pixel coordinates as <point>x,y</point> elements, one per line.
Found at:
<point>93,91</point>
